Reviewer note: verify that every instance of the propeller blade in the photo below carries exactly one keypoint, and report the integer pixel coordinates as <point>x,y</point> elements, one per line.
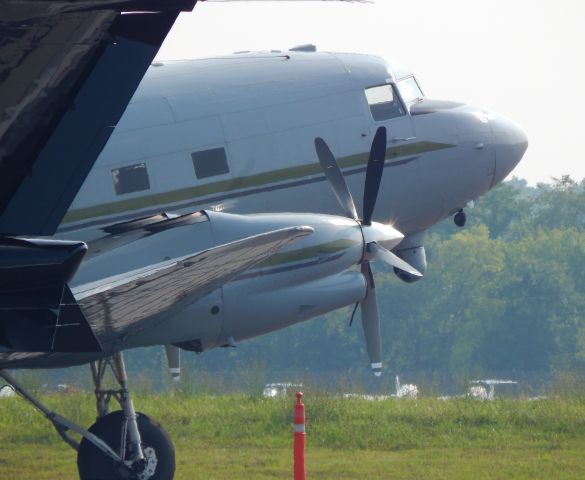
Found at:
<point>174,360</point>
<point>371,322</point>
<point>335,177</point>
<point>380,253</point>
<point>374,174</point>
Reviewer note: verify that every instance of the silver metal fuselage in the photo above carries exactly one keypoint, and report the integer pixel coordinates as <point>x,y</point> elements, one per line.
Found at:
<point>265,110</point>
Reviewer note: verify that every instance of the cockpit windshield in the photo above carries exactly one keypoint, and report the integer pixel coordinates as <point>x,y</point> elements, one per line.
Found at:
<point>409,90</point>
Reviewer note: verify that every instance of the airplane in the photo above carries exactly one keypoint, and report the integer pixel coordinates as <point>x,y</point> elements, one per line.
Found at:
<point>241,168</point>
<point>237,133</point>
<point>478,391</point>
<point>407,390</point>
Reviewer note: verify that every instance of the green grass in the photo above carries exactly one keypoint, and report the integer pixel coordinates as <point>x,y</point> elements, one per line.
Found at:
<point>247,437</point>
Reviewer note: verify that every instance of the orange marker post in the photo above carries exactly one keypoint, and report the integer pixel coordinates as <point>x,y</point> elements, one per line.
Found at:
<point>299,445</point>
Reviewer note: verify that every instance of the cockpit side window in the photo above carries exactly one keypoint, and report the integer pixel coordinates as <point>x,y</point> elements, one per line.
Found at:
<point>409,90</point>
<point>384,103</point>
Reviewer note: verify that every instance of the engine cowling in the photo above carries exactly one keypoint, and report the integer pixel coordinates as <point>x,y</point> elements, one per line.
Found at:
<point>415,256</point>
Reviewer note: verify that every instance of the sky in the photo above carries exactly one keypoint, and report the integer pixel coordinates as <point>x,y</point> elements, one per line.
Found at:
<point>521,58</point>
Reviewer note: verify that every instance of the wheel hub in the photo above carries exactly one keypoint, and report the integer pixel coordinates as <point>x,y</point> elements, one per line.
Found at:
<point>149,465</point>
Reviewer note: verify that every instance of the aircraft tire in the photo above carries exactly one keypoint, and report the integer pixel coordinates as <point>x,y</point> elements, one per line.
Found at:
<point>460,218</point>
<point>158,448</point>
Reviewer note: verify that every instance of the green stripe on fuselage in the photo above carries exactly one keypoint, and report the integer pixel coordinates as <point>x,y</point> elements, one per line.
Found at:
<point>241,183</point>
<point>306,253</point>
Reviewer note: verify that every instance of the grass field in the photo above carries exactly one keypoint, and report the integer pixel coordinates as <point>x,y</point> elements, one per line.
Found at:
<point>248,437</point>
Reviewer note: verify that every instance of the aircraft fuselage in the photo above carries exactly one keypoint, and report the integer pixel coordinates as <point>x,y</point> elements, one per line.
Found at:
<point>236,134</point>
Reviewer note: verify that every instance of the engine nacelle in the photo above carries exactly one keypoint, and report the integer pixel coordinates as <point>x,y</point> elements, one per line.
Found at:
<point>307,278</point>
<point>252,310</point>
<point>415,256</point>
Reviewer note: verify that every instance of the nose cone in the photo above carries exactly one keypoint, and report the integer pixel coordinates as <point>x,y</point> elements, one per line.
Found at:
<point>511,142</point>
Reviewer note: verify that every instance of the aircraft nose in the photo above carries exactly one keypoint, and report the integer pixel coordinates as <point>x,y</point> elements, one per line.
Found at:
<point>511,144</point>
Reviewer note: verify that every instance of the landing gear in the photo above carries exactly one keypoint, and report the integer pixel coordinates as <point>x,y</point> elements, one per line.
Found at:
<point>460,218</point>
<point>159,455</point>
<point>120,445</point>
<point>144,446</point>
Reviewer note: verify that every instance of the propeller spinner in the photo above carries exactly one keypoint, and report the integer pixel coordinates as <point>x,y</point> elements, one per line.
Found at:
<point>378,238</point>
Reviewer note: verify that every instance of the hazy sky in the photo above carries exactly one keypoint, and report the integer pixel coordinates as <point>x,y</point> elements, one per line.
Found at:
<point>524,59</point>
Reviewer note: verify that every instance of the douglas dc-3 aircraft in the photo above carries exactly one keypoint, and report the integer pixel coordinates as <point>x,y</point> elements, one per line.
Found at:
<point>241,168</point>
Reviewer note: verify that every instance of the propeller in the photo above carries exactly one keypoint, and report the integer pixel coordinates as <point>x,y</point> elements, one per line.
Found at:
<point>374,173</point>
<point>379,239</point>
<point>174,361</point>
<point>335,177</point>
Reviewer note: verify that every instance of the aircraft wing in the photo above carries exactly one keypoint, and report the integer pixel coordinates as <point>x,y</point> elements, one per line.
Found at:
<point>122,303</point>
<point>110,311</point>
<point>68,69</point>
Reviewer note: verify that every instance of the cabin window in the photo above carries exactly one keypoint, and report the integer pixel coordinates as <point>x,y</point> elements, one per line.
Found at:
<point>133,178</point>
<point>209,163</point>
<point>410,90</point>
<point>384,103</point>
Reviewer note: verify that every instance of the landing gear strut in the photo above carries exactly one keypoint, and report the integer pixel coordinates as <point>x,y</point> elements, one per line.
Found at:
<point>103,397</point>
<point>123,444</point>
<point>142,443</point>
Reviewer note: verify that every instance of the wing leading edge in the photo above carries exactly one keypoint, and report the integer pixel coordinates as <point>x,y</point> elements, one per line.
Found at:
<point>139,300</point>
<point>56,319</point>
